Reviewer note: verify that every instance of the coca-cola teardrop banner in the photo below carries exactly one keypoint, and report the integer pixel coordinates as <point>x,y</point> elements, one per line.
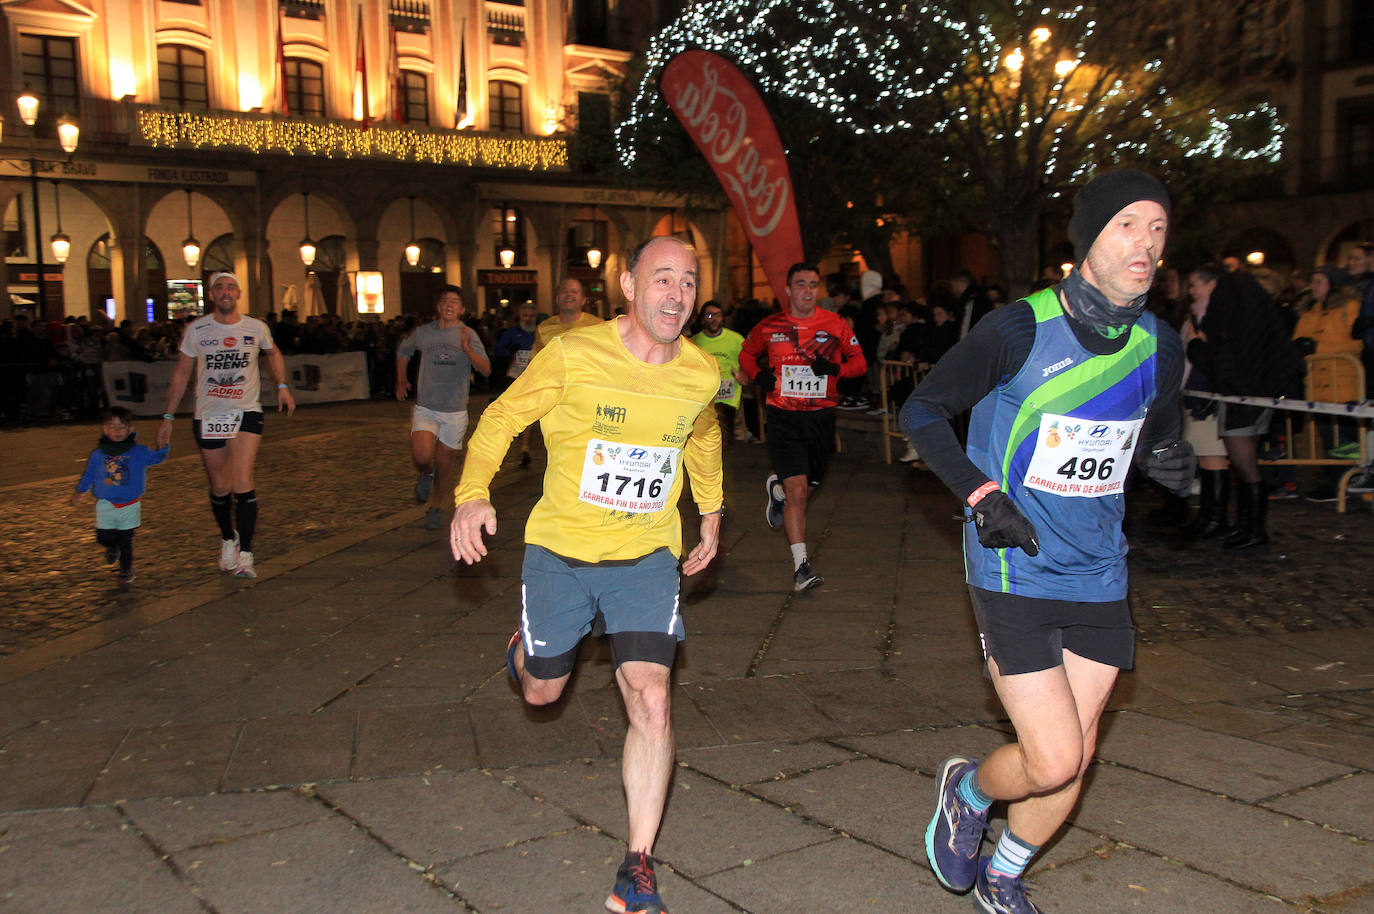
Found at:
<point>730,125</point>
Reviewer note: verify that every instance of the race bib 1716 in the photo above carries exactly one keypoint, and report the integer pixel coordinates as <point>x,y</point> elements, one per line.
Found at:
<point>628,477</point>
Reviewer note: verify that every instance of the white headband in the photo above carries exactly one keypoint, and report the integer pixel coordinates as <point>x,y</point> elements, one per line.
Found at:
<point>220,275</point>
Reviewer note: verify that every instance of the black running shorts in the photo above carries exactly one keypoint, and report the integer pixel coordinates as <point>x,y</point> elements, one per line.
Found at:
<point>800,442</point>
<point>1027,634</point>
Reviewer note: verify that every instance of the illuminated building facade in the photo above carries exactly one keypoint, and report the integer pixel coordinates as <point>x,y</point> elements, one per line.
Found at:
<point>411,142</point>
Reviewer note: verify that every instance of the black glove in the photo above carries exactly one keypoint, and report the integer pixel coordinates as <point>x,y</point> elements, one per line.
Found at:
<point>823,366</point>
<point>1305,345</point>
<point>1172,466</point>
<point>1002,526</point>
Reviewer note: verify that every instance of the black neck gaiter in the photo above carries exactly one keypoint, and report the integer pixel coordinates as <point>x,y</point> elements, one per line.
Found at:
<point>1091,307</point>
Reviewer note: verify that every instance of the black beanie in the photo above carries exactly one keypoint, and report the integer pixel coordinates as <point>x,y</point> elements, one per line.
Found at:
<point>1105,196</point>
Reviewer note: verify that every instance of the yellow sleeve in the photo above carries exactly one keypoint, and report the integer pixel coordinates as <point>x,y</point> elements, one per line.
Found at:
<point>527,400</point>
<point>701,455</point>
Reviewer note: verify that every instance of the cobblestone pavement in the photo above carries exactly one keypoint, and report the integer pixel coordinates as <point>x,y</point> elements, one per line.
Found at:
<point>320,472</point>
<point>1314,575</point>
<point>330,468</point>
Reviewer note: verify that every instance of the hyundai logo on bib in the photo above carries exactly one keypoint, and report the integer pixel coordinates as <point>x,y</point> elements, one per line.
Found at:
<point>1099,431</point>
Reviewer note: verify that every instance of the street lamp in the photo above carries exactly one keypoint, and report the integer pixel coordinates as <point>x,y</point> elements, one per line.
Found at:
<point>190,248</point>
<point>507,257</point>
<point>68,135</point>
<point>61,244</point>
<point>412,249</point>
<point>28,107</point>
<point>307,246</point>
<point>593,257</point>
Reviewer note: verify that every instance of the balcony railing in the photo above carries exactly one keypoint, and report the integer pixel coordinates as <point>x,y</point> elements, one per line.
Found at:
<point>506,28</point>
<point>303,9</point>
<point>410,15</point>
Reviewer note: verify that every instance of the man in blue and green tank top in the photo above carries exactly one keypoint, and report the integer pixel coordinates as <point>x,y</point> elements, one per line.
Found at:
<point>1067,388</point>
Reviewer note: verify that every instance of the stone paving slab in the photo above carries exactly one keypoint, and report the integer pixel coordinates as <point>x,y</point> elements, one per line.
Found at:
<point>43,856</point>
<point>1214,762</point>
<point>570,872</point>
<point>751,763</point>
<point>435,818</point>
<point>1281,856</point>
<point>866,798</point>
<point>1136,881</point>
<point>842,874</point>
<point>281,870</point>
<point>1346,803</point>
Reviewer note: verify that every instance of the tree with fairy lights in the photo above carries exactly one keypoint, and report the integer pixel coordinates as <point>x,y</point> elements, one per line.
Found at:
<point>978,112</point>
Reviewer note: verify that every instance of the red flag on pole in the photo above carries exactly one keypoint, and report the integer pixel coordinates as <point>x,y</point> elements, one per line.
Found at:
<point>283,101</point>
<point>729,123</point>
<point>394,80</point>
<point>360,109</point>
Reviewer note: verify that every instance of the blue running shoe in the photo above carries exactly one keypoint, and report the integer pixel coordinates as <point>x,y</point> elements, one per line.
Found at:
<point>510,655</point>
<point>1001,894</point>
<point>772,511</point>
<point>636,889</point>
<point>956,830</point>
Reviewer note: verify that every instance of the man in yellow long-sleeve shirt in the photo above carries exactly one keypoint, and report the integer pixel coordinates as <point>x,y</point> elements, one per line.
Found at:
<point>625,408</point>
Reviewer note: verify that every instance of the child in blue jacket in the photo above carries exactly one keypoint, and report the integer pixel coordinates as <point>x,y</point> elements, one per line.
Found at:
<point>117,475</point>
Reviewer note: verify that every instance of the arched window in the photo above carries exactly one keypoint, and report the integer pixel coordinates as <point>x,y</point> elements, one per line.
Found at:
<point>507,100</point>
<point>181,76</point>
<point>219,255</point>
<point>304,87</point>
<point>416,100</point>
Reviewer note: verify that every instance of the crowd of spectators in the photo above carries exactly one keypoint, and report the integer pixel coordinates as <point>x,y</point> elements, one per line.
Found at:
<point>51,370</point>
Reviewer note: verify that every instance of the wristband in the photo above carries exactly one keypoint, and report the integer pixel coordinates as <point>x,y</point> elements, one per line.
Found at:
<point>981,491</point>
<point>168,416</point>
<point>283,386</point>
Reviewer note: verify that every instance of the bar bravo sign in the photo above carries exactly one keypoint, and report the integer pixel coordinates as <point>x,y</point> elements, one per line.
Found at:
<point>727,120</point>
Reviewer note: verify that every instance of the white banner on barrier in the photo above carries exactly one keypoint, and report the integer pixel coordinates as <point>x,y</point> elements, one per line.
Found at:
<point>143,386</point>
<point>1363,410</point>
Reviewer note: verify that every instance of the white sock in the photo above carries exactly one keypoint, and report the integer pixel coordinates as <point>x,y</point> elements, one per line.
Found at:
<point>798,555</point>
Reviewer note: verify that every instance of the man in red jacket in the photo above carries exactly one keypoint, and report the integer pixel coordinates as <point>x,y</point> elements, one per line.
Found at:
<point>796,356</point>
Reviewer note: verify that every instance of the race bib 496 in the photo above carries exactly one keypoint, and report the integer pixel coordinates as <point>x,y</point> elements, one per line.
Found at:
<point>1082,458</point>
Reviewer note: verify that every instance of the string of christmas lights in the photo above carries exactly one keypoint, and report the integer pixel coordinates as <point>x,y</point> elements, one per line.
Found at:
<point>327,139</point>
<point>1042,75</point>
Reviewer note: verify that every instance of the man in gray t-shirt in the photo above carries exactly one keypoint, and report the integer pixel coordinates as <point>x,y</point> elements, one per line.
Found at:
<point>449,351</point>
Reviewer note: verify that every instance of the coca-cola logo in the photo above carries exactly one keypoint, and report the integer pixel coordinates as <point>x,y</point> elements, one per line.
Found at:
<point>718,122</point>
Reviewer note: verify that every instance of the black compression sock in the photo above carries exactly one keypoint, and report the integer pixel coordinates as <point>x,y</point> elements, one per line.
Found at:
<point>247,520</point>
<point>220,505</point>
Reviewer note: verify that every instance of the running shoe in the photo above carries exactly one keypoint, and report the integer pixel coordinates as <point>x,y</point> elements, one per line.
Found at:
<point>997,894</point>
<point>910,456</point>
<point>636,889</point>
<point>1349,450</point>
<point>245,569</point>
<point>1362,482</point>
<point>434,519</point>
<point>805,579</point>
<point>772,511</point>
<point>510,655</point>
<point>229,554</point>
<point>955,831</point>
<point>126,577</point>
<point>424,486</point>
